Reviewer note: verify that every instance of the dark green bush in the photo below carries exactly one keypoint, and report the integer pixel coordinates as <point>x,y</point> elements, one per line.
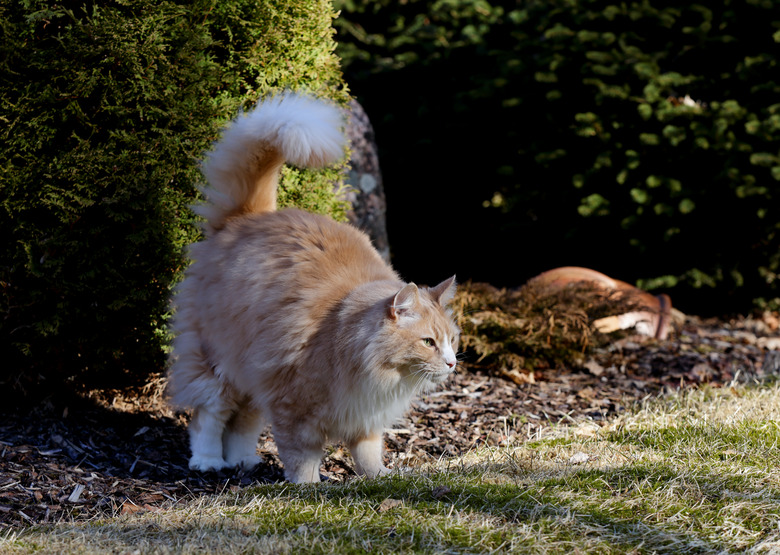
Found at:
<point>106,108</point>
<point>637,138</point>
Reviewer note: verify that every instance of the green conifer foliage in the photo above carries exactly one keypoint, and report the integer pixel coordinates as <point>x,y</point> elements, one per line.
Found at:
<point>105,110</point>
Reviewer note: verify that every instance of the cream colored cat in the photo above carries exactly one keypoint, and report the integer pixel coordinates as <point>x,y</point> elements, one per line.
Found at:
<point>291,318</point>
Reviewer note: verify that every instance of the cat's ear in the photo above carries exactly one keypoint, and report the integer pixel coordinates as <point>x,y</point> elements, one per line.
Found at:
<point>444,292</point>
<point>403,302</point>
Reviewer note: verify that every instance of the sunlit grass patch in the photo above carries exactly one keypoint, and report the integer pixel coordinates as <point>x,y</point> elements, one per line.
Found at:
<point>694,473</point>
<point>733,433</point>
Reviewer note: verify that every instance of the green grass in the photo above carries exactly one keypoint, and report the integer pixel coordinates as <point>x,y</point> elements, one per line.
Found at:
<point>696,473</point>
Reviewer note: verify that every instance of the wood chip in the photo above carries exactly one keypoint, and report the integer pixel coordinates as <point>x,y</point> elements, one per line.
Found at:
<point>440,492</point>
<point>579,458</point>
<point>388,504</point>
<point>594,367</point>
<point>76,493</point>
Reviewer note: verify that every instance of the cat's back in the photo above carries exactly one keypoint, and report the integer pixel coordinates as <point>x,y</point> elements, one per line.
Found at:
<point>295,239</point>
<point>290,253</point>
<point>265,283</point>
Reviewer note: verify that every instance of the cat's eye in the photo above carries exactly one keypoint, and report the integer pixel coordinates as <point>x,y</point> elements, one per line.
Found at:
<point>428,342</point>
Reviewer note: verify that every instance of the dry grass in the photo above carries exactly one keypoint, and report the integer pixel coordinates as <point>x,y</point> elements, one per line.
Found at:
<point>695,473</point>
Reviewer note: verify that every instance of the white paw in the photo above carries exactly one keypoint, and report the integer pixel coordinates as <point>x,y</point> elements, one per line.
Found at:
<point>308,474</point>
<point>205,464</point>
<point>247,462</point>
<point>374,472</point>
<point>303,478</point>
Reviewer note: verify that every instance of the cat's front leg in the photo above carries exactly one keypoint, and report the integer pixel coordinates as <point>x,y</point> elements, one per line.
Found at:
<point>367,453</point>
<point>301,464</point>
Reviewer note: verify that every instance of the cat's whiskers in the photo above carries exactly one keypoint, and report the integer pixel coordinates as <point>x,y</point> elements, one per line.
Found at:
<point>419,369</point>
<point>420,384</point>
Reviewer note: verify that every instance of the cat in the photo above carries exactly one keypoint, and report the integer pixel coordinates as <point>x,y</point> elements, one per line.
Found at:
<point>293,319</point>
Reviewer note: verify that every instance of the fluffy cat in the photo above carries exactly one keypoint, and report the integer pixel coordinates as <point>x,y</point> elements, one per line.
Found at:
<point>290,318</point>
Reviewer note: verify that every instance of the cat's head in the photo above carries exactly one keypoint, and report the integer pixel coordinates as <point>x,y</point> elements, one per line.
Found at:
<point>424,325</point>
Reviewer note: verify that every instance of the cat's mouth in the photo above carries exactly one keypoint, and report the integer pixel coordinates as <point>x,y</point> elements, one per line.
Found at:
<point>429,373</point>
<point>438,376</point>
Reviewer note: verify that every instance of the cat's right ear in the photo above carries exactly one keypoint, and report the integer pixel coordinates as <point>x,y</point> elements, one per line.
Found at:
<point>403,303</point>
<point>444,292</point>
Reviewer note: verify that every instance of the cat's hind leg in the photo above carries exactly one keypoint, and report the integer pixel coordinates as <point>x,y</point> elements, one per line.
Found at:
<point>367,454</point>
<point>239,442</point>
<point>193,382</point>
<point>206,429</point>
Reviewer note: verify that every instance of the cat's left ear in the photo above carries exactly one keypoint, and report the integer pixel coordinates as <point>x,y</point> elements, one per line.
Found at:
<point>404,301</point>
<point>444,292</point>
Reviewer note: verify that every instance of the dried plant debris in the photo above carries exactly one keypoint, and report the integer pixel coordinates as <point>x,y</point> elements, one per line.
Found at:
<point>115,452</point>
<point>514,332</point>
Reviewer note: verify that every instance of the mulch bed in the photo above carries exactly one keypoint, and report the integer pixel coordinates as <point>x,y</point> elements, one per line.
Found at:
<point>117,453</point>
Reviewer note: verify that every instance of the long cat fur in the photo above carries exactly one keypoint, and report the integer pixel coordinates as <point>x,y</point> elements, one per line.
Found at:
<point>290,318</point>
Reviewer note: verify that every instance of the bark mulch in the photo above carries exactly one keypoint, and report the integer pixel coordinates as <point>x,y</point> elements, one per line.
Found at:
<point>114,453</point>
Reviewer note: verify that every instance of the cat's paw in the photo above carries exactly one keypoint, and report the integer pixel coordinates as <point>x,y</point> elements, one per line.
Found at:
<point>377,472</point>
<point>206,464</point>
<point>247,462</point>
<point>373,472</point>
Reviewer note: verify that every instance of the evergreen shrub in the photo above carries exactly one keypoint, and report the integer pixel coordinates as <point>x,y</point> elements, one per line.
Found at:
<point>105,110</point>
<point>637,138</point>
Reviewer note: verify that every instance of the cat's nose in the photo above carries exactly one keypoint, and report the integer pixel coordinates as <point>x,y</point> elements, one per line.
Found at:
<point>449,357</point>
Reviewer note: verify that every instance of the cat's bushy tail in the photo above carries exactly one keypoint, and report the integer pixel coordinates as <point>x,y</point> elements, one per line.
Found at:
<point>242,170</point>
